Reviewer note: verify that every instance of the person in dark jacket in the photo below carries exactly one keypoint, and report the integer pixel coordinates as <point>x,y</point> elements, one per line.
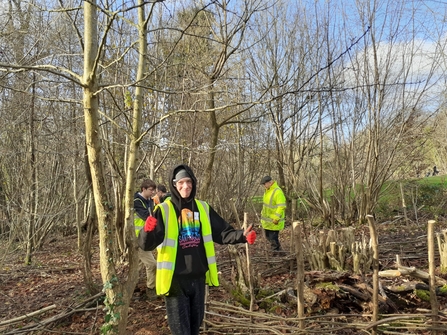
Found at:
<point>143,206</point>
<point>185,229</point>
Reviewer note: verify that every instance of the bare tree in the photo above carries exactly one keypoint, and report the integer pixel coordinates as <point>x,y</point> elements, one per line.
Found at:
<point>390,102</point>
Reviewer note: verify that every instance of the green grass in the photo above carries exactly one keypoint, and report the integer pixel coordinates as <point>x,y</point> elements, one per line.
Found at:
<point>428,194</point>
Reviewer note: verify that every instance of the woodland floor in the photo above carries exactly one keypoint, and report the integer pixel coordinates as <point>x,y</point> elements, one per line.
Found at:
<point>55,278</point>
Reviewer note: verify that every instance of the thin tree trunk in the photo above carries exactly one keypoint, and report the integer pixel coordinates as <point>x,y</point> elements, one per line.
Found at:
<point>213,144</point>
<point>33,181</point>
<point>86,247</point>
<point>115,297</point>
<point>131,164</point>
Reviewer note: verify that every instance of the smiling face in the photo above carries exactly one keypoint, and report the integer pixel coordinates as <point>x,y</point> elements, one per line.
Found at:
<point>184,187</point>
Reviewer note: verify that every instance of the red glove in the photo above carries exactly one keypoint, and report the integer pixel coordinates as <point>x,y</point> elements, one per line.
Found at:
<point>150,224</point>
<point>250,235</point>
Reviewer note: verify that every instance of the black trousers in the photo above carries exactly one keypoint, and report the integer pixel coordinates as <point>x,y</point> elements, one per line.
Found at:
<point>273,237</point>
<point>185,305</point>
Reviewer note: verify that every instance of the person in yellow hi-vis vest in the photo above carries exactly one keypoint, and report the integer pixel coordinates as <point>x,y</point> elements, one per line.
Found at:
<point>184,230</point>
<point>273,212</point>
<point>143,207</point>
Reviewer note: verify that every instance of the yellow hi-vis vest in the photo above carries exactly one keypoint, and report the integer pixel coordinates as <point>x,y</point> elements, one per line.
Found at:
<point>273,208</point>
<point>167,250</point>
<point>137,221</point>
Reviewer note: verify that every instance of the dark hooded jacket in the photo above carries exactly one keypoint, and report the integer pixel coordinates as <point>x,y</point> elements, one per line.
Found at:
<point>143,207</point>
<point>190,261</point>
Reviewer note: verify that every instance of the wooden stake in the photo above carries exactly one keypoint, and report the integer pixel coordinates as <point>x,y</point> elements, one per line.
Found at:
<point>297,229</point>
<point>404,206</point>
<point>442,246</point>
<point>249,272</point>
<point>431,271</point>
<point>292,240</point>
<point>375,264</point>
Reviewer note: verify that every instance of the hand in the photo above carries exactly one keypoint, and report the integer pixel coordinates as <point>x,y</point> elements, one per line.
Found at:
<point>250,235</point>
<point>150,224</point>
<point>275,221</point>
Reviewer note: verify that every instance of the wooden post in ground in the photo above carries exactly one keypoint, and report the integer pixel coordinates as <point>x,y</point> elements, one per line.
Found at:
<point>241,278</point>
<point>442,246</point>
<point>249,272</point>
<point>293,210</point>
<point>404,205</point>
<point>375,265</point>
<point>207,295</point>
<point>297,229</point>
<point>292,240</point>
<point>332,210</point>
<point>431,271</point>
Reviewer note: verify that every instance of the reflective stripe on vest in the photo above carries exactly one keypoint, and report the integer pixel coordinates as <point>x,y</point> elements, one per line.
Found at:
<point>269,206</point>
<point>167,251</point>
<point>272,208</point>
<point>211,274</point>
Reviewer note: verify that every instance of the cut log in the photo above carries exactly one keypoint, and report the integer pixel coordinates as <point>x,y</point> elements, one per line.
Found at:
<point>325,276</point>
<point>354,292</point>
<point>438,290</point>
<point>413,272</point>
<point>389,273</point>
<point>402,288</point>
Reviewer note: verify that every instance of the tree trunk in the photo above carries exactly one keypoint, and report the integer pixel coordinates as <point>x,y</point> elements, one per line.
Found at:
<point>214,126</point>
<point>116,308</point>
<point>33,181</point>
<point>118,294</point>
<point>129,230</point>
<point>91,223</point>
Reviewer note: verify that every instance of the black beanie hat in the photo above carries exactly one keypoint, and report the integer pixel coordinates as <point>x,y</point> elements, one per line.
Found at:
<point>266,179</point>
<point>181,174</point>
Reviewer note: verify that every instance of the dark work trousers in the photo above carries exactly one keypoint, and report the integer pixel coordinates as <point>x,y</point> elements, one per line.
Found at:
<point>273,237</point>
<point>185,305</point>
